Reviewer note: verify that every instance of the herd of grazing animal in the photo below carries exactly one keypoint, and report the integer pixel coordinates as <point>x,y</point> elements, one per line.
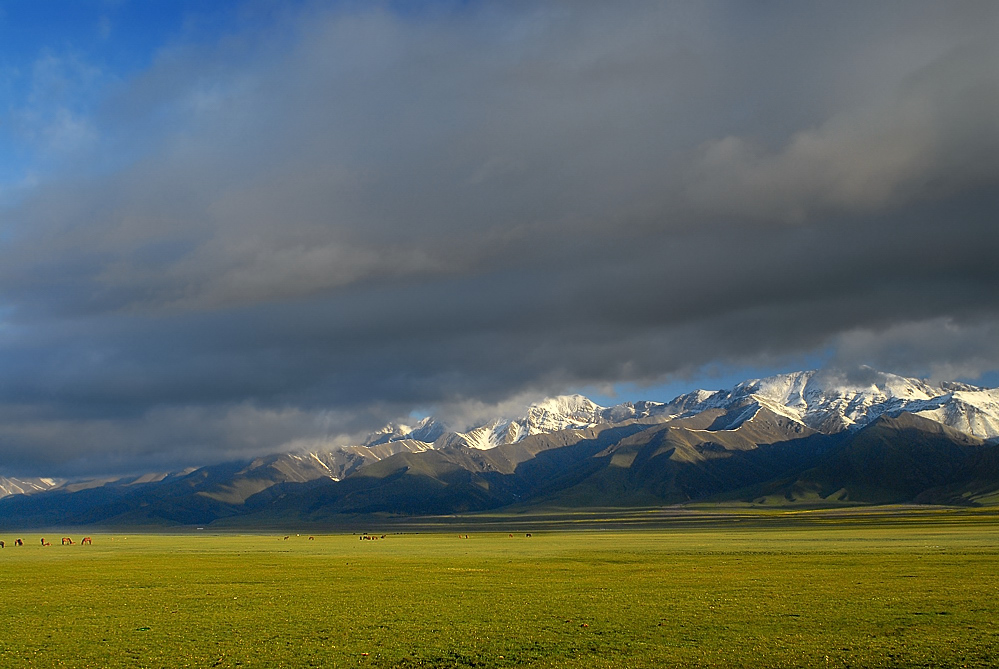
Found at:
<point>87,541</point>
<point>66,541</point>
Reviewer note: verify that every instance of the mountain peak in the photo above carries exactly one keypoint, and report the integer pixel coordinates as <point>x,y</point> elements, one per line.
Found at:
<point>826,400</point>
<point>390,432</point>
<point>831,400</point>
<point>566,404</point>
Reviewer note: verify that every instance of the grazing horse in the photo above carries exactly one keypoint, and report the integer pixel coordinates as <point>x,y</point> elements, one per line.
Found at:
<point>45,543</point>
<point>528,534</point>
<point>18,542</point>
<point>312,538</point>
<point>1,544</point>
<point>66,541</point>
<point>86,540</point>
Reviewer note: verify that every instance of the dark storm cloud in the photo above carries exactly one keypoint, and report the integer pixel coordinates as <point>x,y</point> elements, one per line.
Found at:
<point>305,231</point>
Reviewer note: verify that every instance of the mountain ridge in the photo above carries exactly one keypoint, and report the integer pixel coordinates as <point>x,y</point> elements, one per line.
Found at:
<point>775,439</point>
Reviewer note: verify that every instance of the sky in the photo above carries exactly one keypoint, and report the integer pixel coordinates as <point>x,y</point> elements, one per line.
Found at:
<point>237,228</point>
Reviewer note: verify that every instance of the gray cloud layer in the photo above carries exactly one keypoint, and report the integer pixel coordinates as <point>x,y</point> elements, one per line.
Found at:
<point>301,232</point>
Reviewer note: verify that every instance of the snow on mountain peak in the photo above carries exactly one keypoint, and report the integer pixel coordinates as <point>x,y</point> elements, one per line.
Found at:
<point>831,400</point>
<point>826,400</point>
<point>805,389</point>
<point>390,432</point>
<point>16,486</point>
<point>566,404</point>
<point>549,415</point>
<point>561,412</point>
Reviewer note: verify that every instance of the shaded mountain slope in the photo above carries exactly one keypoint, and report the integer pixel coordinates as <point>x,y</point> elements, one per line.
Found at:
<point>905,458</point>
<point>676,462</point>
<point>451,480</point>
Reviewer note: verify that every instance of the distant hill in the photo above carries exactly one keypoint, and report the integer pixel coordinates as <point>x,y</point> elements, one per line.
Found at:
<point>804,438</point>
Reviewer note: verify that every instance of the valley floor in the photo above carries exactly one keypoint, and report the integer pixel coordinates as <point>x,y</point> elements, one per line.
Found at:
<point>898,589</point>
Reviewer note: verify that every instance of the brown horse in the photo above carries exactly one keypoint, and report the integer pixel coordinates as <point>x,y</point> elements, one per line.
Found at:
<point>66,541</point>
<point>18,542</point>
<point>86,540</point>
<point>45,543</point>
<point>1,544</point>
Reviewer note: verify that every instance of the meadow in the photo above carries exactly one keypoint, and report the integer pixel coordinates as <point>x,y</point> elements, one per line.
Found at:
<point>786,590</point>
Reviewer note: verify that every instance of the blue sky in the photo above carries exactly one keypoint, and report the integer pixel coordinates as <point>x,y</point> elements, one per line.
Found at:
<point>233,228</point>
<point>60,60</point>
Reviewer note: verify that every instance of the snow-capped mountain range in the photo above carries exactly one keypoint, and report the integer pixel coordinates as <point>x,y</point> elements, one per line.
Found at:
<point>825,401</point>
<point>822,401</point>
<point>816,437</point>
<point>830,402</point>
<point>551,415</point>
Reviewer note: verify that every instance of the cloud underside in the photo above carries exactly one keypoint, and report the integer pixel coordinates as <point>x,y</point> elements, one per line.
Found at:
<point>305,237</point>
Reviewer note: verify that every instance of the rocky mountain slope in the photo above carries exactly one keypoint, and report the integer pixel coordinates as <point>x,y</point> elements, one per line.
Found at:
<point>15,486</point>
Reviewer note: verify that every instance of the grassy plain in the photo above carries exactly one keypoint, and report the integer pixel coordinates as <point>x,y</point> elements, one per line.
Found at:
<point>919,590</point>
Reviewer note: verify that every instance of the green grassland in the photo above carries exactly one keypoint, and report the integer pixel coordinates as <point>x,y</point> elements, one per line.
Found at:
<point>783,590</point>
